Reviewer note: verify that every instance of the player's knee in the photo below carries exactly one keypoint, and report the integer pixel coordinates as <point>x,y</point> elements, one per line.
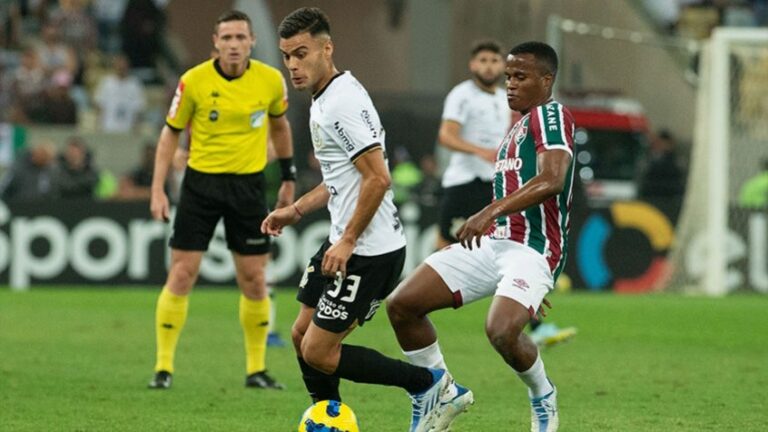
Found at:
<point>401,307</point>
<point>183,275</point>
<point>317,358</point>
<point>503,335</point>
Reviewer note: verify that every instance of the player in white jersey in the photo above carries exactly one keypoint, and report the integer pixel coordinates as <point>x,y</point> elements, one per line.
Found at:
<point>359,265</point>
<point>513,249</point>
<point>475,119</point>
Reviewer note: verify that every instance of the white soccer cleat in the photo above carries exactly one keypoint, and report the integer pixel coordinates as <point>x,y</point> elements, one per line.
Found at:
<point>544,414</point>
<point>426,404</point>
<point>454,402</point>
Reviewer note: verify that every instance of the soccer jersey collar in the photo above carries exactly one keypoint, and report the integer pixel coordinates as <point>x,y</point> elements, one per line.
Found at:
<point>322,90</point>
<point>221,72</point>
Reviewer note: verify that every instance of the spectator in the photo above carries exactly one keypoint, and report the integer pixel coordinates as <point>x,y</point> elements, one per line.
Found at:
<point>53,53</point>
<point>119,98</point>
<point>28,81</point>
<point>662,177</point>
<point>136,185</point>
<point>108,14</point>
<point>33,178</point>
<point>57,105</point>
<point>754,192</point>
<point>77,28</point>
<point>141,30</point>
<point>77,177</point>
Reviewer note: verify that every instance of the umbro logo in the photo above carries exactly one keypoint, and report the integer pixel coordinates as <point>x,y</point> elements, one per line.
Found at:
<point>520,283</point>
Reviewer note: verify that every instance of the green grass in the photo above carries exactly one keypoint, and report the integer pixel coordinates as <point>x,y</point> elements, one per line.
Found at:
<point>79,360</point>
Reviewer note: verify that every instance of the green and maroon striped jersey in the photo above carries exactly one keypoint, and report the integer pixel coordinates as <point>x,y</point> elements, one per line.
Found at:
<point>543,227</point>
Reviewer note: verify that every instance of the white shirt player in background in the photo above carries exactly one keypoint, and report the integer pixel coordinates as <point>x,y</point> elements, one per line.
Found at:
<point>359,265</point>
<point>120,98</point>
<point>475,119</point>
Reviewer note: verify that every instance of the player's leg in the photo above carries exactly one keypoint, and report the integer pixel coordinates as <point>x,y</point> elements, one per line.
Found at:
<point>194,223</point>
<point>254,313</point>
<point>319,385</point>
<point>171,312</point>
<point>526,279</point>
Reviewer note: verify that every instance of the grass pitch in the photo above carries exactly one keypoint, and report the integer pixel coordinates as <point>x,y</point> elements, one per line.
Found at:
<point>79,360</point>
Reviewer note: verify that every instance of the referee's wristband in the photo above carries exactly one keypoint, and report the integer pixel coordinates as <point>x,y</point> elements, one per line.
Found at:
<point>287,169</point>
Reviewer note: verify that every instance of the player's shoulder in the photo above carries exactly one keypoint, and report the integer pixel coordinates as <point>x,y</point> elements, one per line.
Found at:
<point>345,91</point>
<point>199,72</point>
<point>554,109</point>
<point>464,88</point>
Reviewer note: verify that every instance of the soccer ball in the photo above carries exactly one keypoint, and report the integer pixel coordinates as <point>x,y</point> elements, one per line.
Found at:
<point>328,416</point>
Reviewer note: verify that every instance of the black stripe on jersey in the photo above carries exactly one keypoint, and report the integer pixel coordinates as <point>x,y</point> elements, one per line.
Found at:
<point>174,128</point>
<point>364,150</point>
<point>322,90</point>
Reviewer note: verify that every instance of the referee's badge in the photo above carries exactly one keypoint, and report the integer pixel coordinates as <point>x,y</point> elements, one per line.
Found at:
<point>257,119</point>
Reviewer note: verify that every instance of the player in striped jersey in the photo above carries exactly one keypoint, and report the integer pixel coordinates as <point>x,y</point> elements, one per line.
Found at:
<point>513,249</point>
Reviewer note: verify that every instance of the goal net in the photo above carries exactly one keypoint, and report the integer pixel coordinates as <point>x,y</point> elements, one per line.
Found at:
<point>721,241</point>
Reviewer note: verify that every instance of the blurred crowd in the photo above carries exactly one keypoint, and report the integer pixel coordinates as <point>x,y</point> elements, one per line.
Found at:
<point>61,60</point>
<point>696,18</point>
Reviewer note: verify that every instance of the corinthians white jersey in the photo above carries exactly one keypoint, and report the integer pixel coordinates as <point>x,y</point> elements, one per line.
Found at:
<point>344,125</point>
<point>485,119</point>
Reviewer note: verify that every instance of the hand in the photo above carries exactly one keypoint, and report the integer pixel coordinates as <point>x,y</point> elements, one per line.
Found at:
<point>542,311</point>
<point>474,229</point>
<point>275,221</point>
<point>159,206</point>
<point>336,257</point>
<point>285,194</point>
<point>486,154</point>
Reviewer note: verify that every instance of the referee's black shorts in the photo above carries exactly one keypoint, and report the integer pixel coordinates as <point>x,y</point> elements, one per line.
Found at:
<point>460,202</point>
<point>206,198</point>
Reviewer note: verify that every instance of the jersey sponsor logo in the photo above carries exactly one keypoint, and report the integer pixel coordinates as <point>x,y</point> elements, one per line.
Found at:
<point>176,100</point>
<point>365,116</point>
<point>329,310</point>
<point>213,116</point>
<point>257,119</point>
<point>343,135</point>
<point>520,134</point>
<point>511,164</point>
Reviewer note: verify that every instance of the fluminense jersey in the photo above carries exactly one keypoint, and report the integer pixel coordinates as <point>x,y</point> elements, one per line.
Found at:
<point>544,227</point>
<point>345,125</point>
<point>484,119</point>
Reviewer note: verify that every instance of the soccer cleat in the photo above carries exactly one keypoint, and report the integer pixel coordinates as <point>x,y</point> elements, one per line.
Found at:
<point>262,380</point>
<point>544,415</point>
<point>161,381</point>
<point>549,334</point>
<point>426,404</point>
<point>454,402</point>
<point>274,340</point>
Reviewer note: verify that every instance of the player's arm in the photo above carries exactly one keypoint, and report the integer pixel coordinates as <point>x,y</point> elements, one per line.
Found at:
<point>282,142</point>
<point>552,167</point>
<point>166,148</point>
<point>375,183</point>
<point>450,138</point>
<point>316,198</point>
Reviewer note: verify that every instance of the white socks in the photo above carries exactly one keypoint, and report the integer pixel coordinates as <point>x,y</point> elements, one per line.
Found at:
<point>430,357</point>
<point>536,379</point>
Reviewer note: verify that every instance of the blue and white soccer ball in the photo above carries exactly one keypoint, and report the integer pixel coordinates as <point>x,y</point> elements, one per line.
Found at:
<point>328,416</point>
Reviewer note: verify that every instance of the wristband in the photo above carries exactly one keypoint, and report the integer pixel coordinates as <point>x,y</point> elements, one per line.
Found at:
<point>287,169</point>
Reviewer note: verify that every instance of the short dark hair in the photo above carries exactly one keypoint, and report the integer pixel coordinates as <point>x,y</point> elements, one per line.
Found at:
<point>543,53</point>
<point>485,45</point>
<point>306,19</point>
<point>233,15</point>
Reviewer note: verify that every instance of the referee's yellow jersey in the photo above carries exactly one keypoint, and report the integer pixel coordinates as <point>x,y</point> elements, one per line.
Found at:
<point>228,116</point>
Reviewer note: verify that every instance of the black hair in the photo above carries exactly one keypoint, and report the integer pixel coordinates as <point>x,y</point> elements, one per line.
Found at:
<point>544,54</point>
<point>233,15</point>
<point>306,19</point>
<point>485,45</point>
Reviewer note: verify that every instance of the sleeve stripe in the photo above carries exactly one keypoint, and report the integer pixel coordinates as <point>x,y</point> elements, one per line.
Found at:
<point>365,150</point>
<point>174,128</point>
<point>542,126</point>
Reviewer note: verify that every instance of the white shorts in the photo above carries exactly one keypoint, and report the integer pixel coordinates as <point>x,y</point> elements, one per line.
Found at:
<point>501,267</point>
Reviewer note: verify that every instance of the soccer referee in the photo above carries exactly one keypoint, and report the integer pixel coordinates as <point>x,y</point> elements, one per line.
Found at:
<point>233,104</point>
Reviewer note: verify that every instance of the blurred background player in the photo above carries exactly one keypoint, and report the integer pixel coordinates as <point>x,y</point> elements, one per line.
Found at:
<point>475,119</point>
<point>513,249</point>
<point>223,179</point>
<point>361,261</point>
